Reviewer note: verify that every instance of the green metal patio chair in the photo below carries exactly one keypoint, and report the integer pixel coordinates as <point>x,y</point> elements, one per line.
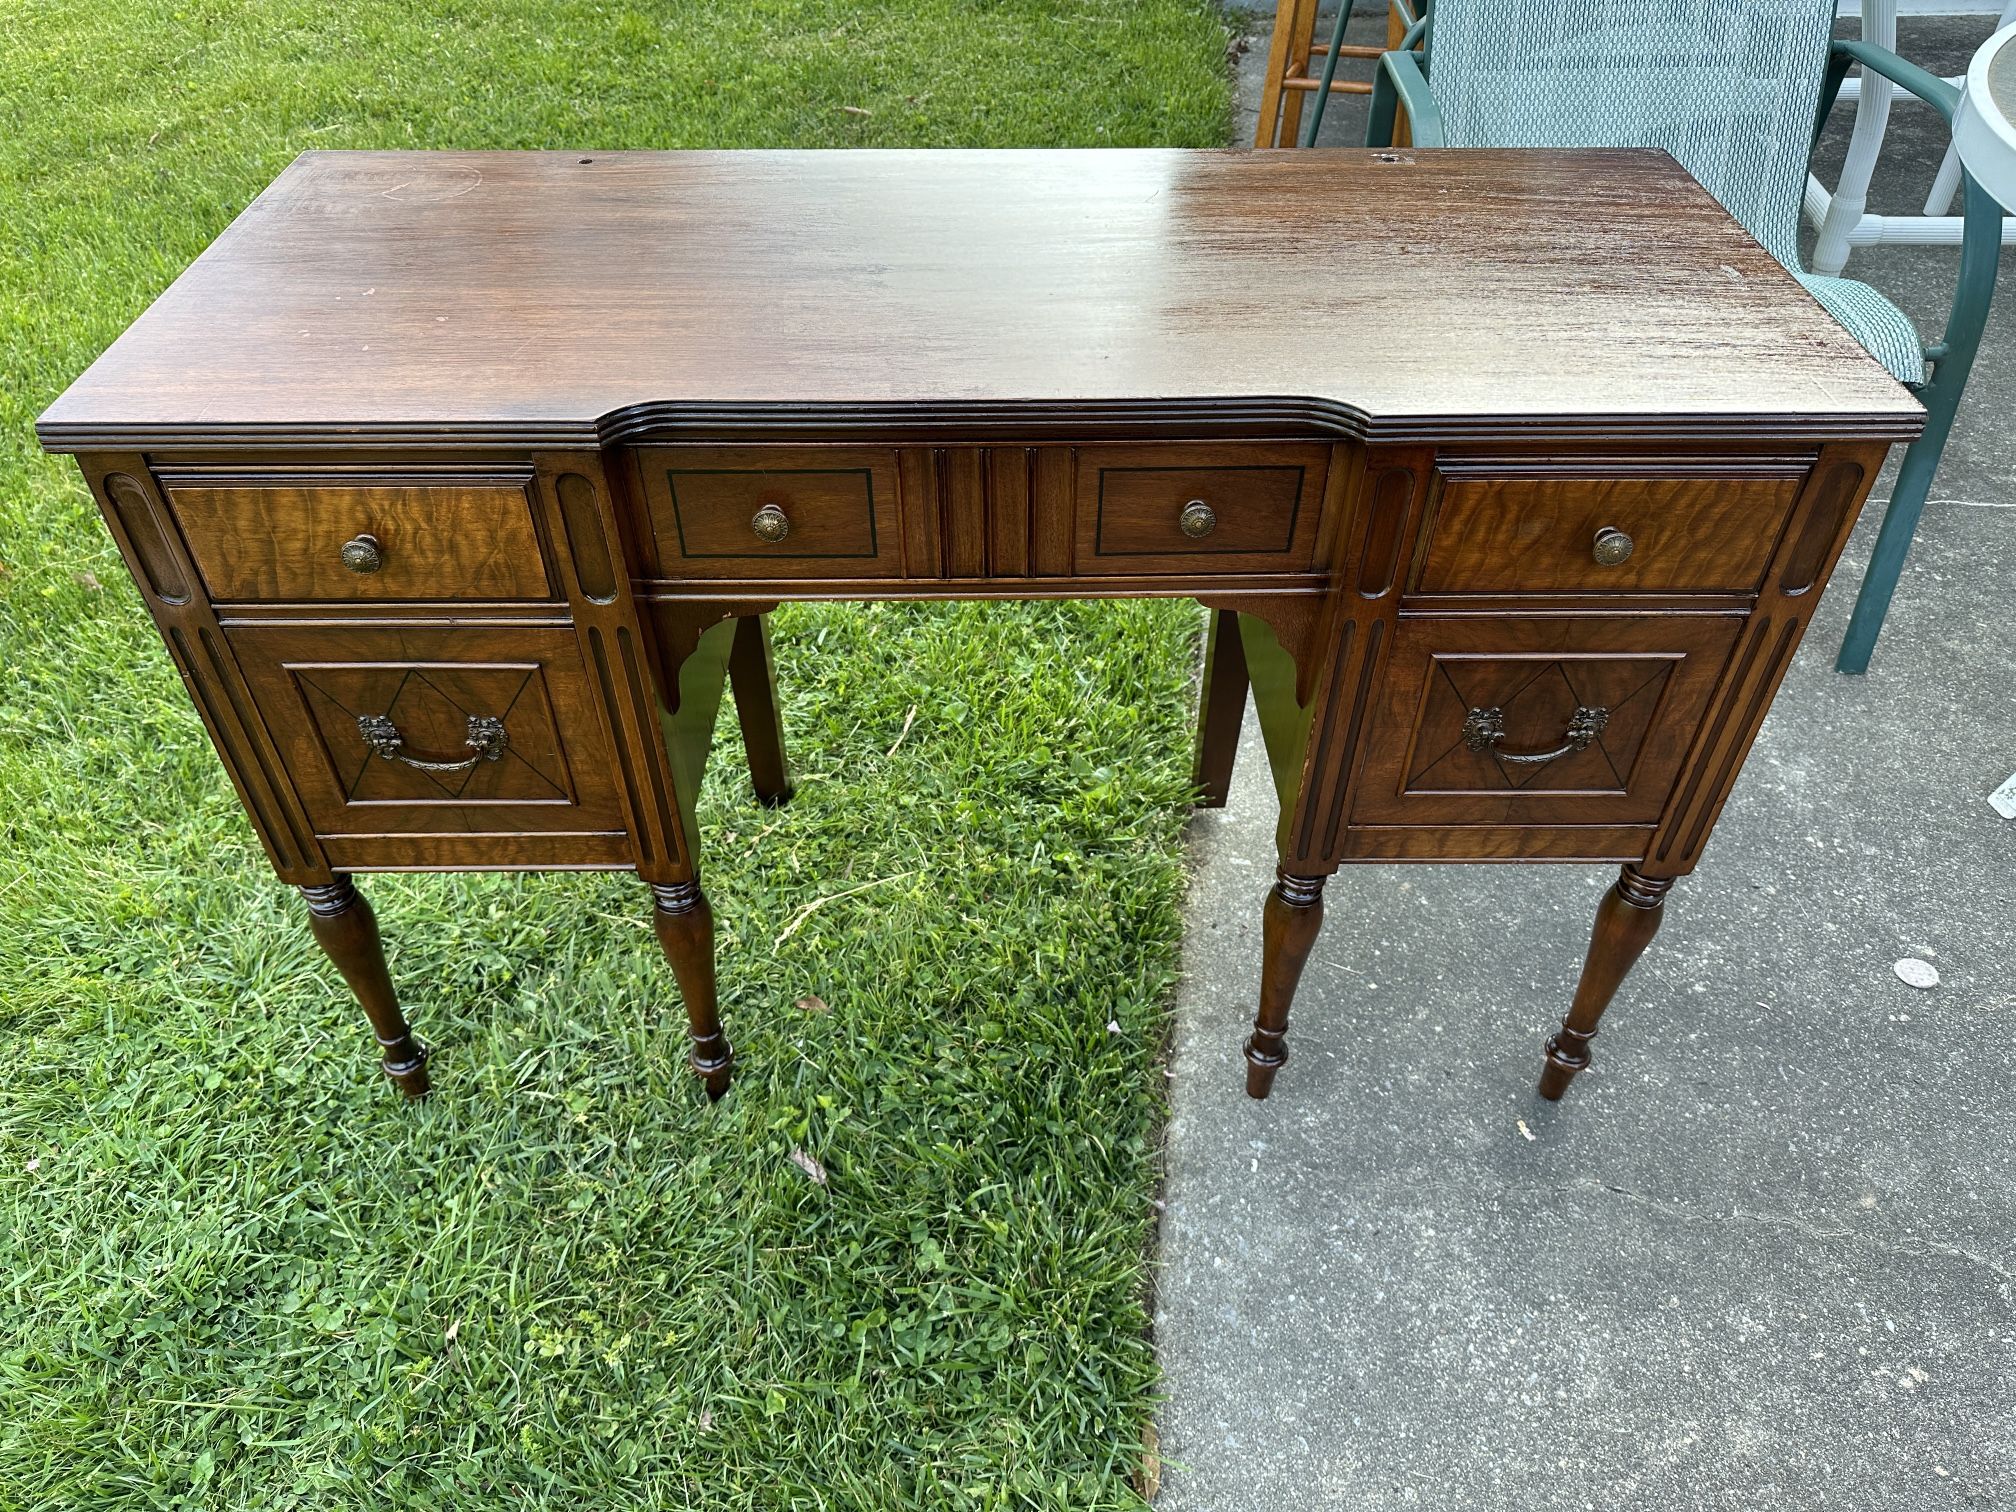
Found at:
<point>1737,90</point>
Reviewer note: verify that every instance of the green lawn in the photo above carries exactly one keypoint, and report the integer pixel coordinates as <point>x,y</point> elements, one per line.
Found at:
<point>237,1271</point>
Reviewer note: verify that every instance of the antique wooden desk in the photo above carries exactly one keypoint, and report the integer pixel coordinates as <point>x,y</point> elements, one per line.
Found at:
<point>457,483</point>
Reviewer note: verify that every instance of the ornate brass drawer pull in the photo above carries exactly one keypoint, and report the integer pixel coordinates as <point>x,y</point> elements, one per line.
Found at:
<point>1612,547</point>
<point>771,524</point>
<point>1198,519</point>
<point>1484,728</point>
<point>486,742</point>
<point>362,554</point>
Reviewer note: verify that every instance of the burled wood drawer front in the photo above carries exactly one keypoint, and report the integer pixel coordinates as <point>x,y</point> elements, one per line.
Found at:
<point>1186,509</point>
<point>1538,720</point>
<point>258,538</point>
<point>1709,533</point>
<point>415,730</point>
<point>755,512</point>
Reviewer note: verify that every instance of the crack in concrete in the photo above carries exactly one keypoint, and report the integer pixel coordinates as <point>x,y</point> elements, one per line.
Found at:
<point>1910,1248</point>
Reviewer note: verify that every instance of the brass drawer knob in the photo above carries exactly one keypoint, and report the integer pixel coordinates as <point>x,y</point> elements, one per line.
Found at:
<point>363,554</point>
<point>1198,519</point>
<point>1612,546</point>
<point>770,524</point>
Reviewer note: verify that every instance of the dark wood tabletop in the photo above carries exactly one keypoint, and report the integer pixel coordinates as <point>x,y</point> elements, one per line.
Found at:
<point>560,297</point>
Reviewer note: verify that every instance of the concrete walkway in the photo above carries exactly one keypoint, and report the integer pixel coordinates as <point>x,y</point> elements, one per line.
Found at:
<point>1764,1255</point>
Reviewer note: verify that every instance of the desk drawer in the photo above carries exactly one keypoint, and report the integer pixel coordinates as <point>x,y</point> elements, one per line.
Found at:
<point>302,538</point>
<point>1593,534</point>
<point>1568,719</point>
<point>778,512</point>
<point>413,730</point>
<point>1189,509</point>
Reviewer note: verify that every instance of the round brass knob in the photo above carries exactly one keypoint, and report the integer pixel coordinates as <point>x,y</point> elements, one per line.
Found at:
<point>770,524</point>
<point>1612,546</point>
<point>363,554</point>
<point>1198,519</point>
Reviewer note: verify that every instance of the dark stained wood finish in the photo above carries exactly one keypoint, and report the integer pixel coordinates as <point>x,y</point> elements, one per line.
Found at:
<point>1221,710</point>
<point>839,507</point>
<point>1528,534</point>
<point>1264,505</point>
<point>1833,497</point>
<point>684,921</point>
<point>752,671</point>
<point>258,537</point>
<point>626,665</point>
<point>981,375</point>
<point>126,490</point>
<point>1290,921</point>
<point>1626,920</point>
<point>347,931</point>
<point>1594,293</point>
<point>312,683</point>
<point>1652,676</point>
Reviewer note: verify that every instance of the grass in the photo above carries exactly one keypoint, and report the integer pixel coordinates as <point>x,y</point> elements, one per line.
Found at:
<point>237,1271</point>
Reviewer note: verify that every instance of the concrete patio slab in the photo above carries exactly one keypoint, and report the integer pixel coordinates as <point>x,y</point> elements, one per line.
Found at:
<point>1764,1255</point>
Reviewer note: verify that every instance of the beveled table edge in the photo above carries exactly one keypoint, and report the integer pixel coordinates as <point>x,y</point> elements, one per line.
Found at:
<point>896,424</point>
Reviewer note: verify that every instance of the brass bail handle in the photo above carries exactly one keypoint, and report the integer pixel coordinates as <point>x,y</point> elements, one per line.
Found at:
<point>486,742</point>
<point>1484,728</point>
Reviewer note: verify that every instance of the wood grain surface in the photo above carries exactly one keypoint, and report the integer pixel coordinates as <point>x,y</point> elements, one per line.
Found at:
<point>432,297</point>
<point>258,538</point>
<point>1536,535</point>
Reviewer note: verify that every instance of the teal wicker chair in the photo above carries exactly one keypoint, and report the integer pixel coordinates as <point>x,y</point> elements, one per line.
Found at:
<point>1737,91</point>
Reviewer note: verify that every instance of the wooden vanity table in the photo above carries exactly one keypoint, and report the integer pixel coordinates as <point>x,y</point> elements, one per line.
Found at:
<point>459,483</point>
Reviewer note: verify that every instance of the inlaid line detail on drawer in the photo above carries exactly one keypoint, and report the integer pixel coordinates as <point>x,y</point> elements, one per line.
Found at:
<point>1135,518</point>
<point>705,528</point>
<point>788,512</point>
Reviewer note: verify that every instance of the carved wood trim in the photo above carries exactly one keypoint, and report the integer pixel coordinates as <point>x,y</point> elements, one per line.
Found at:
<point>582,513</point>
<point>1811,543</point>
<point>199,652</point>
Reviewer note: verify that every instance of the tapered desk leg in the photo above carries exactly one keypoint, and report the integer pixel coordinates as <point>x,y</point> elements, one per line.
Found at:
<point>753,672</point>
<point>1626,920</point>
<point>1221,710</point>
<point>685,926</point>
<point>1289,924</point>
<point>347,931</point>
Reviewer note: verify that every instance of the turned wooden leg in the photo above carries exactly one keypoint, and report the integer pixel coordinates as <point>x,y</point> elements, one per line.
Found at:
<point>347,930</point>
<point>1221,711</point>
<point>1626,920</point>
<point>753,672</point>
<point>685,927</point>
<point>1293,915</point>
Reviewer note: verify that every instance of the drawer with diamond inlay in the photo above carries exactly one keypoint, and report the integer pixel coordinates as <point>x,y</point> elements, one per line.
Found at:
<point>1569,719</point>
<point>413,730</point>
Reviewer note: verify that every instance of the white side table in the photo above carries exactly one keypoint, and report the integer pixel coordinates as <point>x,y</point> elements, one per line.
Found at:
<point>1984,127</point>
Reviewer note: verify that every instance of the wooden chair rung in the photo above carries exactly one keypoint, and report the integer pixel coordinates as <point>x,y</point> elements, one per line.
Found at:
<point>1337,86</point>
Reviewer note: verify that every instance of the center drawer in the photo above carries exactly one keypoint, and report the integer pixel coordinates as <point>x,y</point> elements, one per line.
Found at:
<point>1160,510</point>
<point>780,512</point>
<point>1513,532</point>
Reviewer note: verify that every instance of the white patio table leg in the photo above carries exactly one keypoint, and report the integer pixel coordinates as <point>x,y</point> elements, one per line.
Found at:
<point>1843,208</point>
